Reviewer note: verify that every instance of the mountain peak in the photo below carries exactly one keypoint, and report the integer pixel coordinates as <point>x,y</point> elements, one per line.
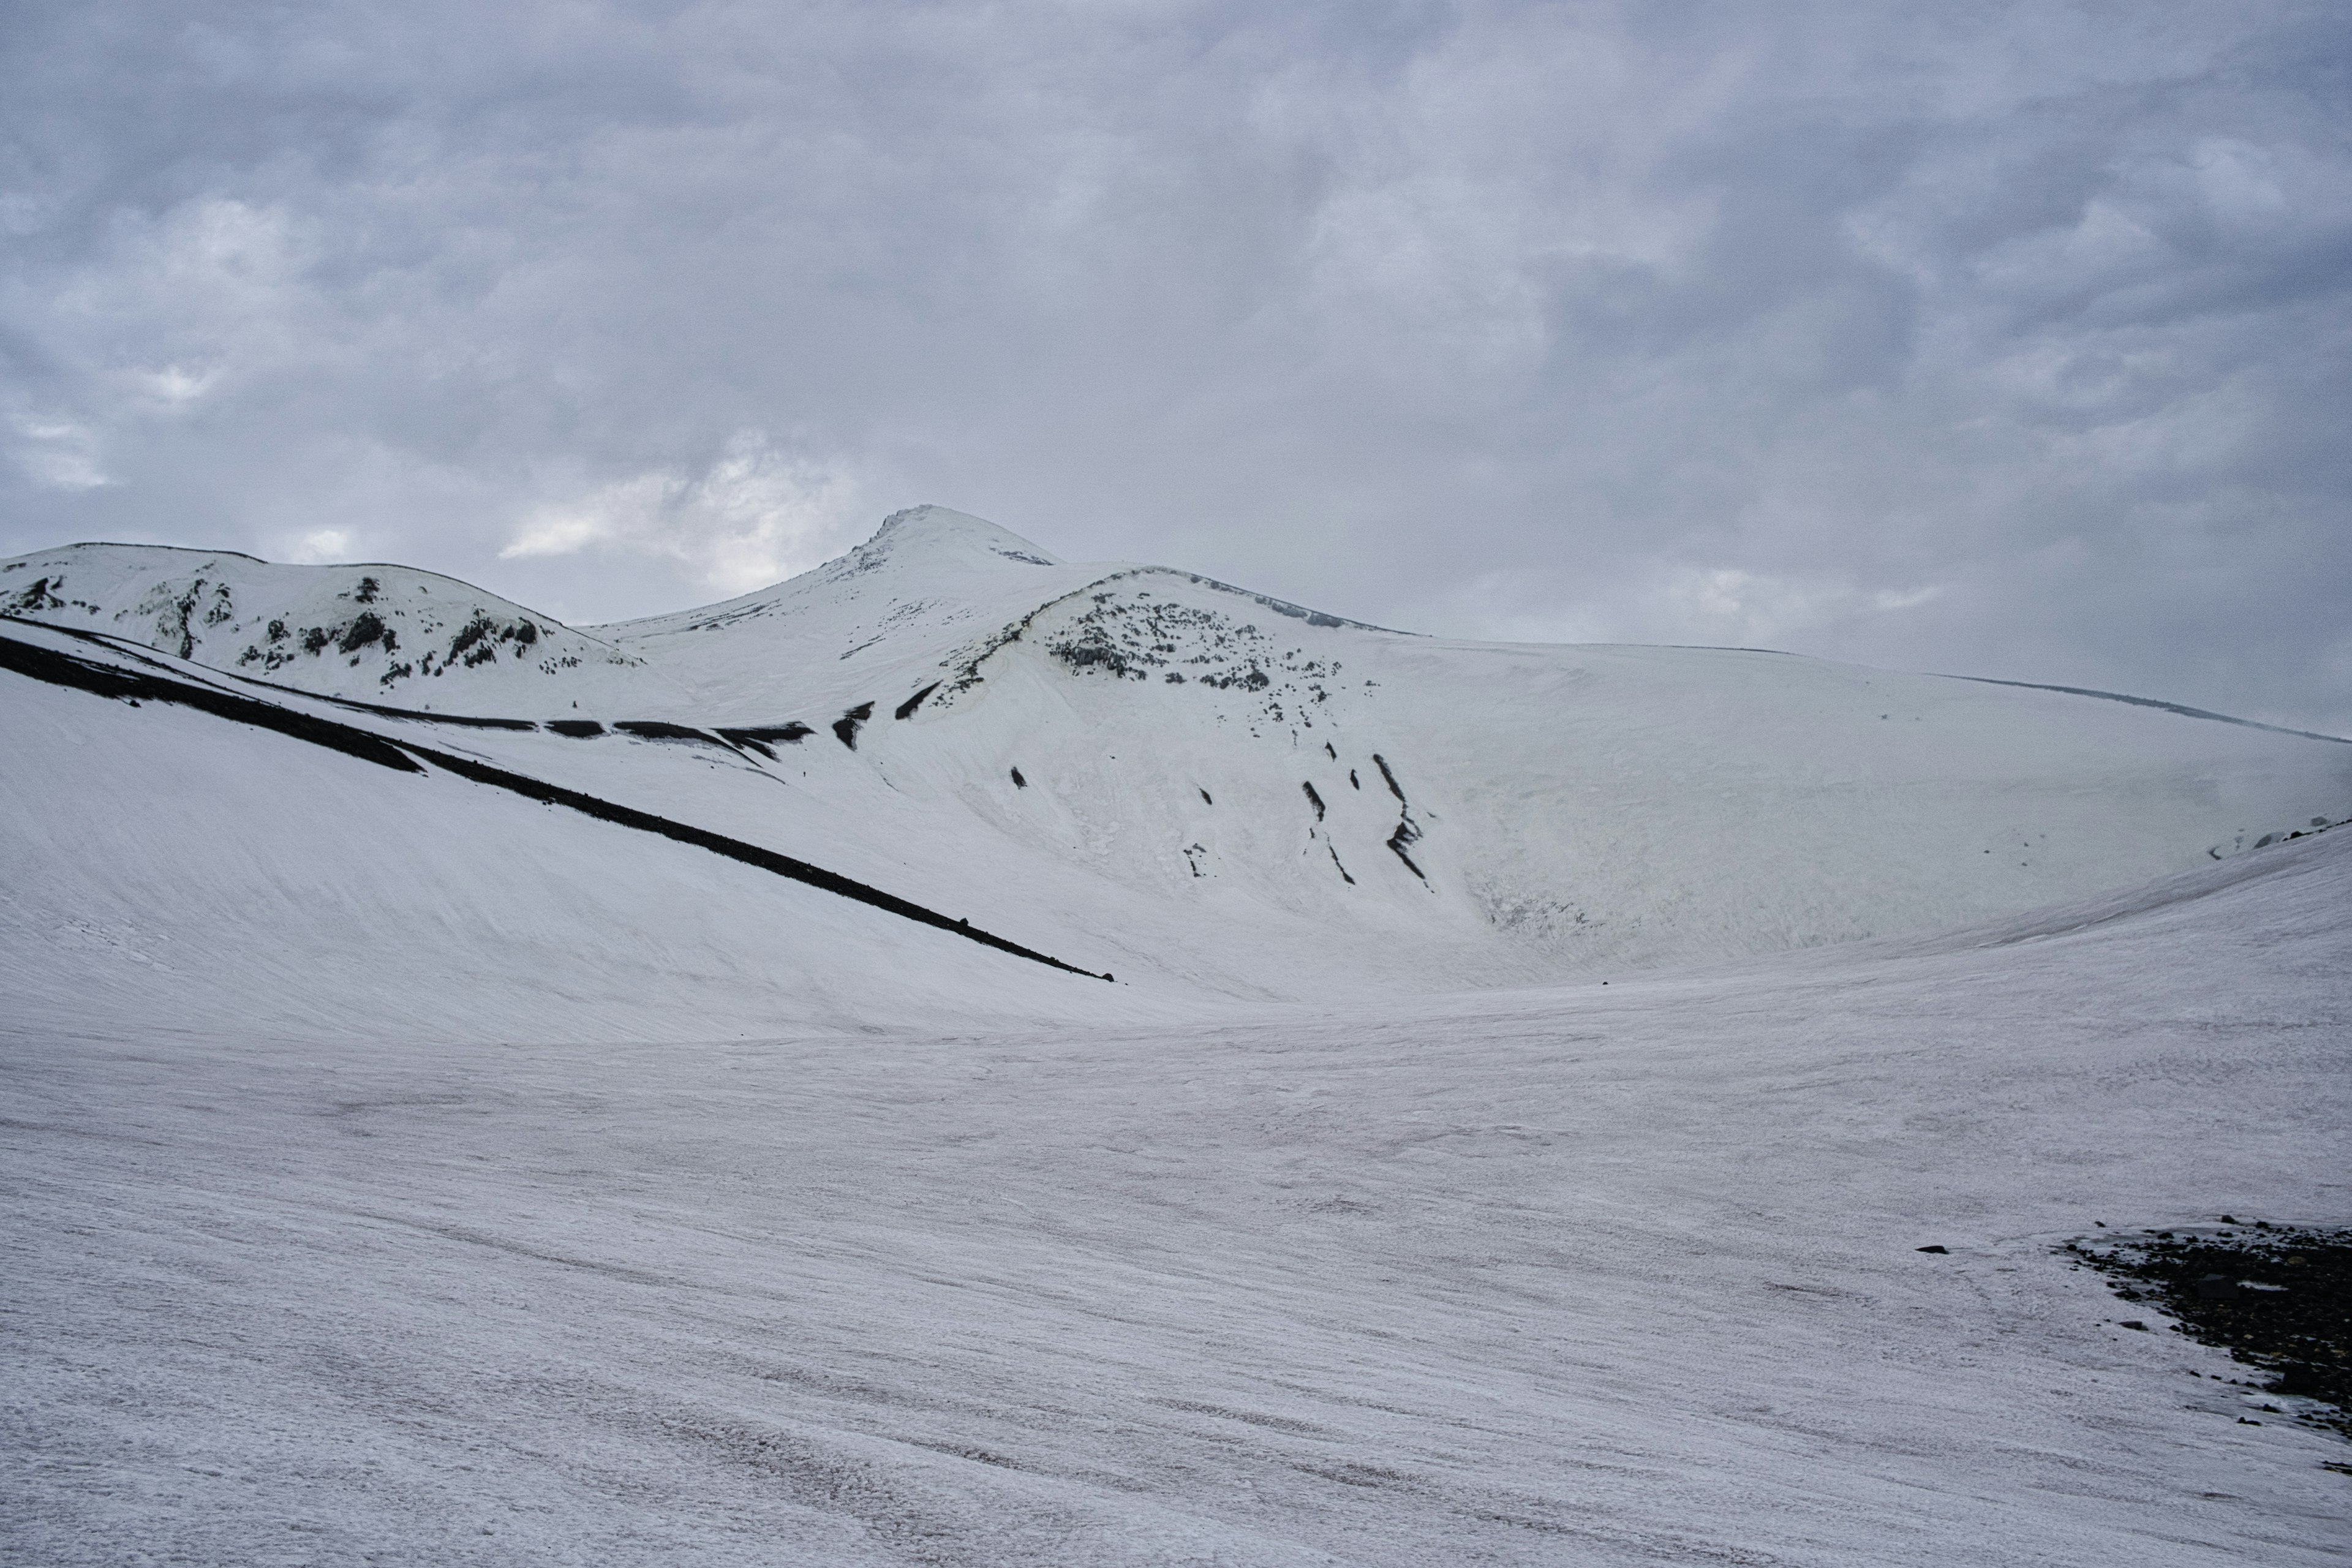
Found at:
<point>938,532</point>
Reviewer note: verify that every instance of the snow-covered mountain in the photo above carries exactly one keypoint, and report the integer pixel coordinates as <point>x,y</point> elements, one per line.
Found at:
<point>1160,776</point>
<point>965,1057</point>
<point>381,634</point>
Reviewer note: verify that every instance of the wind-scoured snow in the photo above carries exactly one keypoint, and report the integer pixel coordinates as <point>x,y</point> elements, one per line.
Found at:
<point>1529,1076</point>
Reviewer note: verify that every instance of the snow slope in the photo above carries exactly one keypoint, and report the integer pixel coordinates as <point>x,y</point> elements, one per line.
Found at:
<point>1196,787</point>
<point>1457,812</point>
<point>514,1132</point>
<point>1560,1275</point>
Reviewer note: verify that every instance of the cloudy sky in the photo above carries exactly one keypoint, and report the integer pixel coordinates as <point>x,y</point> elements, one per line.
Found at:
<point>2004,340</point>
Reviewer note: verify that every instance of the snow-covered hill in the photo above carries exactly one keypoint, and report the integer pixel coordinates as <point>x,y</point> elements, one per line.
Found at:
<point>963,1058</point>
<point>381,634</point>
<point>1191,785</point>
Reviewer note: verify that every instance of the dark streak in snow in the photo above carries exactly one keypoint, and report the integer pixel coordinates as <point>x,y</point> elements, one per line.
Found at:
<point>1407,832</point>
<point>845,729</point>
<point>760,738</point>
<point>132,686</point>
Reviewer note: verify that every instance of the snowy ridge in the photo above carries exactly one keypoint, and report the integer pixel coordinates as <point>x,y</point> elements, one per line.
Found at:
<point>385,632</point>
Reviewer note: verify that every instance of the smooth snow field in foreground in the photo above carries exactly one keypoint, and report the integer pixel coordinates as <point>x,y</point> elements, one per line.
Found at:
<point>1589,1275</point>
<point>882,1071</point>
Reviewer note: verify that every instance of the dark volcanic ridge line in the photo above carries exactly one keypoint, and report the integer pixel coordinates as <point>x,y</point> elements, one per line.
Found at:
<point>66,670</point>
<point>72,673</point>
<point>147,655</point>
<point>786,865</point>
<point>756,738</point>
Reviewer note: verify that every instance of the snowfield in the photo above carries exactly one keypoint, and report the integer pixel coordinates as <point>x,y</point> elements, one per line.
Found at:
<point>1525,1079</point>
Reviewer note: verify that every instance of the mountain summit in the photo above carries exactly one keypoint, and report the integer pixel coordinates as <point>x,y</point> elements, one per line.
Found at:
<point>941,534</point>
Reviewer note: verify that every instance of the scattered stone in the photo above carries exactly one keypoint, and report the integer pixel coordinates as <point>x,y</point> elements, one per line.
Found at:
<point>845,729</point>
<point>2277,1298</point>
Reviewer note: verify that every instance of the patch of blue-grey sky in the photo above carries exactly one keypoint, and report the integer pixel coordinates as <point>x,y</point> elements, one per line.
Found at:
<point>2003,340</point>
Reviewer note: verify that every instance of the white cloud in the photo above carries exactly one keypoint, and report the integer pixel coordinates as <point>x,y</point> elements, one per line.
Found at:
<point>1541,321</point>
<point>322,546</point>
<point>1764,608</point>
<point>755,515</point>
<point>58,454</point>
<point>175,385</point>
<point>1720,604</point>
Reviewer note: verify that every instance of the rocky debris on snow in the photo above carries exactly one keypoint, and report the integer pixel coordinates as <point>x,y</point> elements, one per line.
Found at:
<point>763,738</point>
<point>2277,1298</point>
<point>312,626</point>
<point>1407,832</point>
<point>1132,634</point>
<point>845,729</point>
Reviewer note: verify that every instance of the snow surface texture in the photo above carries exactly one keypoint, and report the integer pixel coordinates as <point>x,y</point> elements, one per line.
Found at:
<point>401,1167</point>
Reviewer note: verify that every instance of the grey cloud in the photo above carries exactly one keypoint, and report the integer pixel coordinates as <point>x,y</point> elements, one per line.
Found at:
<point>2002,338</point>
